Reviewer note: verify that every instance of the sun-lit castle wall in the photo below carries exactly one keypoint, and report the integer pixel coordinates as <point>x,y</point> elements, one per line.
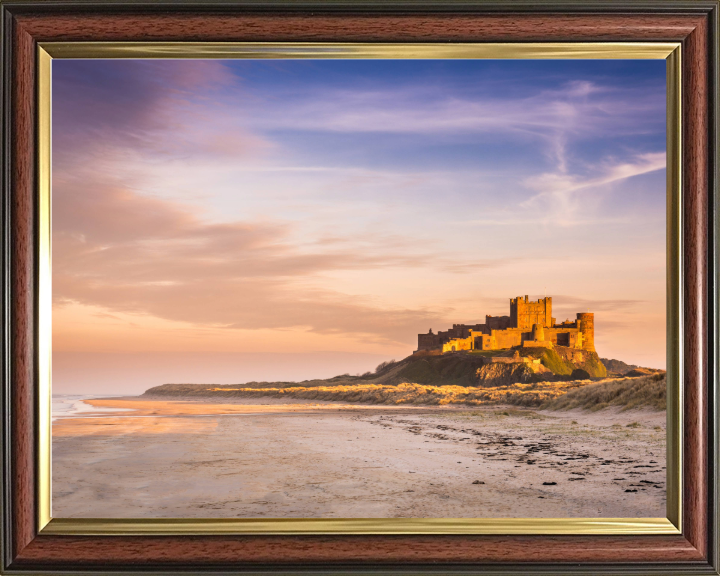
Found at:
<point>529,324</point>
<point>524,313</point>
<point>586,325</point>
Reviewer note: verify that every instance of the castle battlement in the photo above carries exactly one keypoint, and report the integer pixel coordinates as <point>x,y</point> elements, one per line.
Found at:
<point>529,324</point>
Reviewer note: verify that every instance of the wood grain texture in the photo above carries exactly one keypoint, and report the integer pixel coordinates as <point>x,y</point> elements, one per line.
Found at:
<point>22,293</point>
<point>695,233</point>
<point>222,551</point>
<point>251,27</point>
<point>219,551</point>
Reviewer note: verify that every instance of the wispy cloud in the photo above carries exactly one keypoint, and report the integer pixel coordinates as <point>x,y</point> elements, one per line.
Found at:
<point>147,110</point>
<point>557,192</point>
<point>560,183</point>
<point>582,109</point>
<point>580,304</point>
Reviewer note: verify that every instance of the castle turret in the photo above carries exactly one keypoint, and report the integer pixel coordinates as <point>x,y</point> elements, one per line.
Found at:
<point>586,326</point>
<point>538,333</point>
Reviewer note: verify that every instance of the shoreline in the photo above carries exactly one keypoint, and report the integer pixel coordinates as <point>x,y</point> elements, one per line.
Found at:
<point>311,460</point>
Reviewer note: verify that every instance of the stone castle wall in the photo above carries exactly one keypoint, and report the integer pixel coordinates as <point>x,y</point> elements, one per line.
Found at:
<point>525,313</point>
<point>528,322</point>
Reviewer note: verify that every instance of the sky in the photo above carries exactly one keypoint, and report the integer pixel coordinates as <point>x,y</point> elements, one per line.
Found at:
<point>233,220</point>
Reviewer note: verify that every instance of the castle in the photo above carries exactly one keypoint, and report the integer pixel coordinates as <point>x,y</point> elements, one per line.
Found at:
<point>530,324</point>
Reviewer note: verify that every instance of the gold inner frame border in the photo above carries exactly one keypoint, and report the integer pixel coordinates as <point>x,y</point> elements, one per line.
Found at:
<point>668,51</point>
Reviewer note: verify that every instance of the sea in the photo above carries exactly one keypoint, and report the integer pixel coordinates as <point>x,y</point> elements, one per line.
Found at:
<point>74,405</point>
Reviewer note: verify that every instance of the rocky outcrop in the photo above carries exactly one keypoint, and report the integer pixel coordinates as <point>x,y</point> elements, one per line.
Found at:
<point>505,374</point>
<point>564,361</point>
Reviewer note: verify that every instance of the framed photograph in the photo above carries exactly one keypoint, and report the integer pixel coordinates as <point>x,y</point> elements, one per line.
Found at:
<point>360,287</point>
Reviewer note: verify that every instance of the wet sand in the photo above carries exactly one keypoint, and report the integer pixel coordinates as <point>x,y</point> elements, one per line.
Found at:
<point>275,458</point>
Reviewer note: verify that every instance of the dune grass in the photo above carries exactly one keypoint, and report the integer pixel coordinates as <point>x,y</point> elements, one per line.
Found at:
<point>558,395</point>
<point>533,394</point>
<point>647,391</point>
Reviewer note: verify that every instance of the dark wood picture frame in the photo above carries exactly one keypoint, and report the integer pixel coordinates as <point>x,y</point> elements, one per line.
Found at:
<point>694,23</point>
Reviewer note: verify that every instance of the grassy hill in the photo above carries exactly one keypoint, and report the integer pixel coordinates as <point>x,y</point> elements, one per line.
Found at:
<point>560,360</point>
<point>617,366</point>
<point>458,369</point>
<point>570,379</point>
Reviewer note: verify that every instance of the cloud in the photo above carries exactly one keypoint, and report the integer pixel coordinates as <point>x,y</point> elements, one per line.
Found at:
<point>107,316</point>
<point>594,305</point>
<point>569,305</point>
<point>147,109</point>
<point>251,304</point>
<point>560,183</point>
<point>558,201</point>
<point>565,199</point>
<point>551,121</point>
<point>582,109</point>
<point>126,252</point>
<point>125,98</point>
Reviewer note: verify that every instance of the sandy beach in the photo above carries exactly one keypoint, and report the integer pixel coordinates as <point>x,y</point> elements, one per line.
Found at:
<point>289,458</point>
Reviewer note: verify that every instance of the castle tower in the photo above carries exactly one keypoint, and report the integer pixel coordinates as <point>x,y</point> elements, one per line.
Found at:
<point>524,313</point>
<point>538,333</point>
<point>586,325</point>
<point>548,312</point>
